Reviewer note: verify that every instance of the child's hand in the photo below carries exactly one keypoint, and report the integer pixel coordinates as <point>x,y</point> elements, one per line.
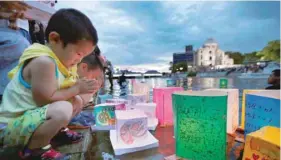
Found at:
<point>87,86</point>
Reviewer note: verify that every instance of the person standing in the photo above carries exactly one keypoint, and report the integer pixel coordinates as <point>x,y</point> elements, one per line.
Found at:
<point>122,80</point>
<point>12,41</point>
<point>109,73</point>
<point>37,32</point>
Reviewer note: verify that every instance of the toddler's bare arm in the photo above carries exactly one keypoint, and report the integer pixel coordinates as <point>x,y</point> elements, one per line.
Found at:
<point>44,82</point>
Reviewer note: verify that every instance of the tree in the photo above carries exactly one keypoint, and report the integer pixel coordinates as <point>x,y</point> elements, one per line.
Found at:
<point>251,57</point>
<point>181,66</point>
<point>271,51</point>
<point>237,57</point>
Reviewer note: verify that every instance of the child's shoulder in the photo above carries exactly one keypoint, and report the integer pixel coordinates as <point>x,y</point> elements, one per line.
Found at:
<point>41,65</point>
<point>43,61</point>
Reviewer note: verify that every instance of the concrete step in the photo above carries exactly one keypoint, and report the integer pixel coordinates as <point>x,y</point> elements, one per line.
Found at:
<point>77,151</point>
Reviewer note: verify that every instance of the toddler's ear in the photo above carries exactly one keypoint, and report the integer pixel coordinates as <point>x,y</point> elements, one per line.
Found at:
<point>83,66</point>
<point>54,37</point>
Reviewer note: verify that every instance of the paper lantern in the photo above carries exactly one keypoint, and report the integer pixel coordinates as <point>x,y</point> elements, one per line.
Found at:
<point>171,82</point>
<point>263,144</point>
<point>148,108</point>
<point>232,108</point>
<point>131,133</point>
<point>119,101</point>
<point>223,83</point>
<point>105,114</point>
<point>131,126</point>
<point>200,124</point>
<point>245,91</point>
<point>163,99</point>
<point>262,109</point>
<point>141,88</point>
<point>136,98</point>
<point>103,98</point>
<point>150,111</point>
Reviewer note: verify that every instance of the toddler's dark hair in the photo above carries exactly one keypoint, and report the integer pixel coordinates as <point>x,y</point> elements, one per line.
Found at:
<point>93,61</point>
<point>97,51</point>
<point>72,26</point>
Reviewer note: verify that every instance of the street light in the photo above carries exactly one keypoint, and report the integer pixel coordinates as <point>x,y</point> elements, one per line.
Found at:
<point>181,68</point>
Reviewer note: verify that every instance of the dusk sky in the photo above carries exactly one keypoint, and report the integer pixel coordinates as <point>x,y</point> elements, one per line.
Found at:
<point>144,35</point>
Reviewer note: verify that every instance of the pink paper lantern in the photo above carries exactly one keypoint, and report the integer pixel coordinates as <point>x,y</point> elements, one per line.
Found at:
<point>163,99</point>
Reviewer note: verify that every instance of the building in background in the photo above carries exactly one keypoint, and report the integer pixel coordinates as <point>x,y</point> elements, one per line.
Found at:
<point>210,55</point>
<point>185,57</point>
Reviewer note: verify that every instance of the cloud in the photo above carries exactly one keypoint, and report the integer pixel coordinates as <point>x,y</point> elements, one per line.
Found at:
<point>104,16</point>
<point>180,11</point>
<point>146,34</point>
<point>165,58</point>
<point>112,24</point>
<point>161,67</point>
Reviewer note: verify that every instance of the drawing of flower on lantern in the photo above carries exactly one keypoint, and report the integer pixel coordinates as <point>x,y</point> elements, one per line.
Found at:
<point>104,116</point>
<point>132,129</point>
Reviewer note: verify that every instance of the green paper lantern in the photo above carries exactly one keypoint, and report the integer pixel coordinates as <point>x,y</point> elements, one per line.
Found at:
<point>200,124</point>
<point>223,83</point>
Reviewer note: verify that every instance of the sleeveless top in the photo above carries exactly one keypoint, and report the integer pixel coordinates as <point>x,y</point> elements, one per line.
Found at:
<point>17,97</point>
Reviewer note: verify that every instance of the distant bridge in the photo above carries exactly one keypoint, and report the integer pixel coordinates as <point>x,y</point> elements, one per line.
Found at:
<point>138,75</point>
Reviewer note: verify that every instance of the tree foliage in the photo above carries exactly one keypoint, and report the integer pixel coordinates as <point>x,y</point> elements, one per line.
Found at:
<point>237,57</point>
<point>182,67</point>
<point>271,51</point>
<point>251,57</point>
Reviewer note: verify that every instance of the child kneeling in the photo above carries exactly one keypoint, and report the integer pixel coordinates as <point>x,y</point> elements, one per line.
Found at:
<point>42,94</point>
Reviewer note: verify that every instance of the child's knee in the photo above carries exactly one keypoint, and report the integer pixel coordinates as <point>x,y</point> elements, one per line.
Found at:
<point>60,111</point>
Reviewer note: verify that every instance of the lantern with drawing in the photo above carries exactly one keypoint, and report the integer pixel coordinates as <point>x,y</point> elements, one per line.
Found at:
<point>262,109</point>
<point>150,111</point>
<point>131,133</point>
<point>245,91</point>
<point>105,115</point>
<point>131,126</point>
<point>263,144</point>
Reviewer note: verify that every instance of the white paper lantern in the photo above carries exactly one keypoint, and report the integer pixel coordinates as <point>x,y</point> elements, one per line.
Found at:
<point>136,98</point>
<point>131,126</point>
<point>232,109</point>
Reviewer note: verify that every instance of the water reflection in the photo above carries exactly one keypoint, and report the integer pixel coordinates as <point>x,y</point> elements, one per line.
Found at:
<point>188,83</point>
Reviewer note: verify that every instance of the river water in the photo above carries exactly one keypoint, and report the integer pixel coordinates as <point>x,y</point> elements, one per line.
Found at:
<point>195,83</point>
